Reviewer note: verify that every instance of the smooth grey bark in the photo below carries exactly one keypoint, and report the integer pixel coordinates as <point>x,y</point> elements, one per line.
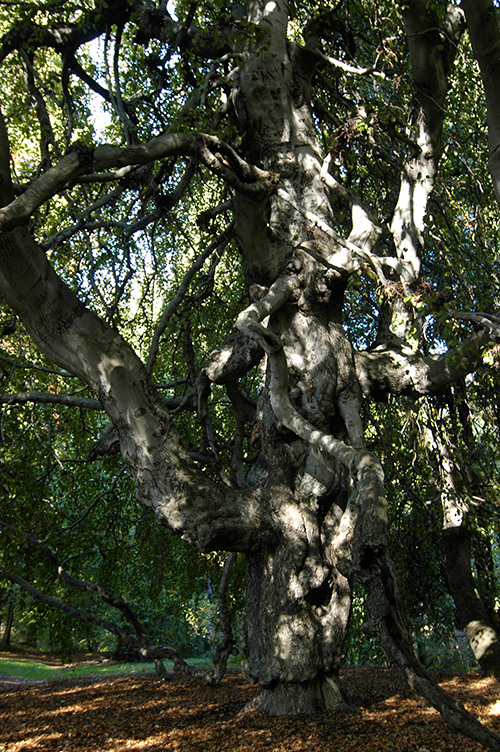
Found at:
<point>432,47</point>
<point>391,369</point>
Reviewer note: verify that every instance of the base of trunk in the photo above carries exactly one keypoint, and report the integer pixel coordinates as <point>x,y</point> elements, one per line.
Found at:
<point>300,698</point>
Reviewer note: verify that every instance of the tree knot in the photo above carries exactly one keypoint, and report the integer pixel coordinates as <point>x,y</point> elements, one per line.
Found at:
<point>84,152</point>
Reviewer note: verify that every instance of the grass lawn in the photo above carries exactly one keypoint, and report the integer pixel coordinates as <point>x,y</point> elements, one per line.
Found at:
<point>34,669</point>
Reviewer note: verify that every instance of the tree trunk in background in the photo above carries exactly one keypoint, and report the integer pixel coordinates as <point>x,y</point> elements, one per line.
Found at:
<point>226,646</point>
<point>5,641</point>
<point>472,614</point>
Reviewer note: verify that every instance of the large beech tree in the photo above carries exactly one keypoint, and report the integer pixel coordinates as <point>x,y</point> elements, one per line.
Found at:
<point>306,140</point>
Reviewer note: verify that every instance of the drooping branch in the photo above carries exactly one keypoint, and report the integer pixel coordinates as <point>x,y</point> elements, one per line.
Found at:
<point>124,635</point>
<point>91,587</point>
<point>136,642</point>
<point>215,247</point>
<point>226,647</point>
<point>6,188</point>
<point>472,614</point>
<point>66,36</point>
<point>294,421</point>
<point>386,622</point>
<point>352,69</point>
<point>217,156</point>
<point>249,320</point>
<point>47,138</point>
<point>484,319</point>
<point>244,411</point>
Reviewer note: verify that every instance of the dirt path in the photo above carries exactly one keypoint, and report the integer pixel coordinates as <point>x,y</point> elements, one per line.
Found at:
<point>152,715</point>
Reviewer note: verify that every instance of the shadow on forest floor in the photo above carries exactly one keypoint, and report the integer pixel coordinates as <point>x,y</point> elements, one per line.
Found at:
<point>142,712</point>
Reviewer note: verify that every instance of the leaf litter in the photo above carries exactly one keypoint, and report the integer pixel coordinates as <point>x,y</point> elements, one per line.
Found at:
<point>147,714</point>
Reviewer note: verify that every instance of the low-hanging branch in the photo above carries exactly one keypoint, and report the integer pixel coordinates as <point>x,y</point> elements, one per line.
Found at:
<point>135,642</point>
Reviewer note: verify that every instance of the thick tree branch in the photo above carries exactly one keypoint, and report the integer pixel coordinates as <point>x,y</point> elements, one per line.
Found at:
<point>67,36</point>
<point>248,322</point>
<point>482,23</point>
<point>233,358</point>
<point>389,370</point>
<point>190,504</point>
<point>45,398</point>
<point>220,158</point>
<point>432,51</point>
<point>366,229</point>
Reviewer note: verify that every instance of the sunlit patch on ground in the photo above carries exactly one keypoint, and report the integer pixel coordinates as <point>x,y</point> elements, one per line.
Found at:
<point>149,715</point>
<point>494,708</point>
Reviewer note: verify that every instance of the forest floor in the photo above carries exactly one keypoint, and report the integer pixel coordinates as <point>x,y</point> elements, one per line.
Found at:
<point>148,714</point>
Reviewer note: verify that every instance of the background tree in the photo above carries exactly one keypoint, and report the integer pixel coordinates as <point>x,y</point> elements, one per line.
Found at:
<point>281,164</point>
